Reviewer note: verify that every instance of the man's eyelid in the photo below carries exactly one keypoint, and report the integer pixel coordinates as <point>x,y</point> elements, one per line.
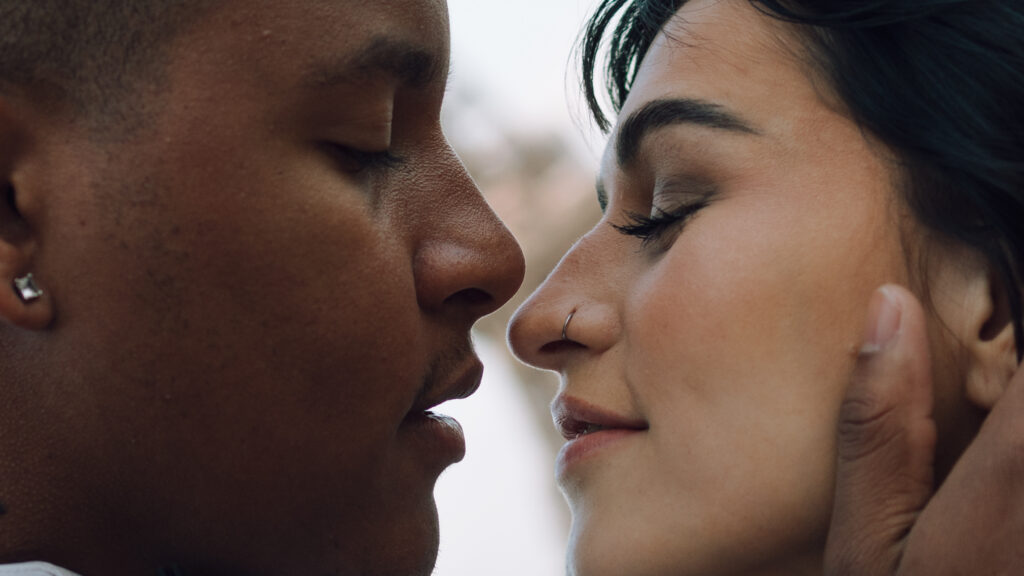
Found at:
<point>354,161</point>
<point>377,137</point>
<point>368,150</point>
<point>360,140</point>
<point>365,126</point>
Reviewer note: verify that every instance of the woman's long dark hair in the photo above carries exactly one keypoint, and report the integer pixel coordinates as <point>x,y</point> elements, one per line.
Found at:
<point>941,82</point>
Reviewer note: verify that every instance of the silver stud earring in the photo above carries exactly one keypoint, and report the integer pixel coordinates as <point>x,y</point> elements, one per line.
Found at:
<point>27,289</point>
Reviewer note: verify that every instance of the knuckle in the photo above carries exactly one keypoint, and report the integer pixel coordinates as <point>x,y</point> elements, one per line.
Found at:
<point>842,556</point>
<point>841,565</point>
<point>854,556</point>
<point>864,427</point>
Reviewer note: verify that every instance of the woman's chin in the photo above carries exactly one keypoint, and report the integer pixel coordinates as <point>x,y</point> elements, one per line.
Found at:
<point>614,544</point>
<point>617,550</point>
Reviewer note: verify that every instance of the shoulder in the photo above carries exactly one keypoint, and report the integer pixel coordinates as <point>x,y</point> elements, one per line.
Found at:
<point>33,569</point>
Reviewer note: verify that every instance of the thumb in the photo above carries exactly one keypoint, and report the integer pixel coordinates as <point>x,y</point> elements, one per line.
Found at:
<point>886,441</point>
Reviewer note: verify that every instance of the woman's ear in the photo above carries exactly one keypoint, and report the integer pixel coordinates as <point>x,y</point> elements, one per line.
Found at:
<point>989,341</point>
<point>23,302</point>
<point>971,301</point>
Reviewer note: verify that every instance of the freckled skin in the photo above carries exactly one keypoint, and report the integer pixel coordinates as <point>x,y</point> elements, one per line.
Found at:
<point>239,325</point>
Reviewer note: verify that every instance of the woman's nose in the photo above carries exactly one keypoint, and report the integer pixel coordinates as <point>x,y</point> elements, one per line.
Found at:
<point>574,310</point>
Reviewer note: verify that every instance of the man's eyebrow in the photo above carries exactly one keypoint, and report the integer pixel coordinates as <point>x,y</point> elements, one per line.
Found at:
<point>667,112</point>
<point>411,64</point>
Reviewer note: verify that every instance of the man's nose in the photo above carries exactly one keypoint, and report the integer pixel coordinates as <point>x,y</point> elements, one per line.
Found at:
<point>469,264</point>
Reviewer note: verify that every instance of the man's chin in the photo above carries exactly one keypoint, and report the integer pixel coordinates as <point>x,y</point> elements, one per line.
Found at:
<point>411,550</point>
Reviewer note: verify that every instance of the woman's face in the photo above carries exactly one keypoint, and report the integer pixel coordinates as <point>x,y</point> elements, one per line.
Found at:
<point>717,351</point>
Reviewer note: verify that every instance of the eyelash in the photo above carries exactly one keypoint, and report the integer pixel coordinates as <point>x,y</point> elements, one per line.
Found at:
<point>362,160</point>
<point>656,228</point>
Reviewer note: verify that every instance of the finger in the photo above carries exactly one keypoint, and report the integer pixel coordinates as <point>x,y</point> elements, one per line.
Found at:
<point>975,523</point>
<point>886,441</point>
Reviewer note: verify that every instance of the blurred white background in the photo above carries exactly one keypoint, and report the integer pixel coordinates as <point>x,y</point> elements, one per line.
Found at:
<point>499,514</point>
<point>510,116</point>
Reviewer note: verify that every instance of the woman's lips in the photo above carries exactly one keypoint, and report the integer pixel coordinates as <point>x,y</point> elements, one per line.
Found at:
<point>586,446</point>
<point>589,430</point>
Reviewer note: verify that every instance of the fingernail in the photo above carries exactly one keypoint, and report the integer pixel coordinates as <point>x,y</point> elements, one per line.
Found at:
<point>884,315</point>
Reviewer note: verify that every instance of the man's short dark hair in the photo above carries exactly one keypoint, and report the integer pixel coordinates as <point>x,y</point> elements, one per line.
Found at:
<point>91,55</point>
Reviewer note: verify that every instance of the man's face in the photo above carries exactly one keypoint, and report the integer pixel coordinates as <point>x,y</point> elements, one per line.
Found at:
<point>256,304</point>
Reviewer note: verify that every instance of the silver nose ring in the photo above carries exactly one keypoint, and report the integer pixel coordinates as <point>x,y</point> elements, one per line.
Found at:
<point>565,326</point>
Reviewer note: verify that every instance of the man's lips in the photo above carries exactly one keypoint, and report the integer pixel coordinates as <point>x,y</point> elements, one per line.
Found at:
<point>575,418</point>
<point>462,383</point>
<point>438,439</point>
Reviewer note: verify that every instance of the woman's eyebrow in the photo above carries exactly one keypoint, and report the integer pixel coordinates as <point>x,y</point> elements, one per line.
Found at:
<point>411,64</point>
<point>667,112</point>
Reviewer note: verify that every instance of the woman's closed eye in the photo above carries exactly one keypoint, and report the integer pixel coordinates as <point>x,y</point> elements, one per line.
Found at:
<point>662,227</point>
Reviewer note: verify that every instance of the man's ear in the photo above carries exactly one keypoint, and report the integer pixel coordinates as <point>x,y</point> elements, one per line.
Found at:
<point>18,239</point>
<point>988,338</point>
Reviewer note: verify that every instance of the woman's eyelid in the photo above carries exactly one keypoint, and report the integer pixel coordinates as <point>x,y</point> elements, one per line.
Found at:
<point>673,202</point>
<point>602,197</point>
<point>664,194</point>
<point>675,192</point>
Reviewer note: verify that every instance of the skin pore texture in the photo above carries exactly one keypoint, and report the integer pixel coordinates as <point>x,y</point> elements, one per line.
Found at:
<point>251,299</point>
<point>724,342</point>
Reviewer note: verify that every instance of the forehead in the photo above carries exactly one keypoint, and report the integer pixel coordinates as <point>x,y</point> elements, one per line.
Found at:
<point>727,55</point>
<point>301,43</point>
<point>723,48</point>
